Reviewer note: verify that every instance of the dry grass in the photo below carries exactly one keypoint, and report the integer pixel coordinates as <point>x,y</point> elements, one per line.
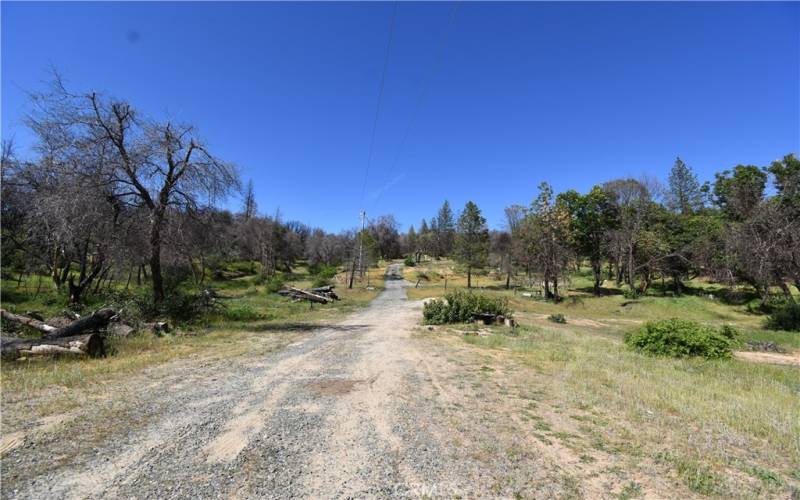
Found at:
<point>252,322</point>
<point>723,427</point>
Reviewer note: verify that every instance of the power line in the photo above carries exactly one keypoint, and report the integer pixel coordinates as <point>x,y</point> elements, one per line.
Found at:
<point>372,146</point>
<point>420,98</point>
<point>380,99</point>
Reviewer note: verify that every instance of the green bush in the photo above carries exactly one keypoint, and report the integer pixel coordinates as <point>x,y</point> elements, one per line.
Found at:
<point>557,318</point>
<point>275,282</point>
<point>682,338</point>
<point>409,261</point>
<point>460,306</point>
<point>729,332</point>
<point>786,318</point>
<point>321,274</point>
<point>630,293</point>
<point>240,313</point>
<point>320,281</point>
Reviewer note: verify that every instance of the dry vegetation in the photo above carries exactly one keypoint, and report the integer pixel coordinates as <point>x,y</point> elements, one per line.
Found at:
<point>721,428</point>
<point>252,321</point>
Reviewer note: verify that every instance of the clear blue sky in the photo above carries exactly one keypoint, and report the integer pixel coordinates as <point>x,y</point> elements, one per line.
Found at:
<point>571,93</point>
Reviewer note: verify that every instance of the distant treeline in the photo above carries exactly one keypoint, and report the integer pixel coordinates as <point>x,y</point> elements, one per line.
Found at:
<point>635,231</point>
<point>111,196</point>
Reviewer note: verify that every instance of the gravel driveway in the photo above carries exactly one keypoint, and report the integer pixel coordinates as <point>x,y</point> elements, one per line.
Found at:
<point>364,408</point>
<point>338,414</point>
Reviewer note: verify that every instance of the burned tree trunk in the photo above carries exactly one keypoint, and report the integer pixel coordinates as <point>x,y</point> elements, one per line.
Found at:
<point>98,319</point>
<point>91,344</point>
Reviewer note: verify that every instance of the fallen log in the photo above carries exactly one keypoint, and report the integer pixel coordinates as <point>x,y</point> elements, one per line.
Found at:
<point>326,290</point>
<point>313,297</point>
<point>299,294</point>
<point>158,328</point>
<point>24,320</point>
<point>91,344</point>
<point>98,319</point>
<point>119,329</point>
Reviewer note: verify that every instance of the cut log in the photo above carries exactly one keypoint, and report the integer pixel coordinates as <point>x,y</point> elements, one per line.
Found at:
<point>98,319</point>
<point>24,320</point>
<point>118,329</point>
<point>91,344</point>
<point>158,328</point>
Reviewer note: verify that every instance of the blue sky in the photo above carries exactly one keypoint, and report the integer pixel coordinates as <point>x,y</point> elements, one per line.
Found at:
<point>571,93</point>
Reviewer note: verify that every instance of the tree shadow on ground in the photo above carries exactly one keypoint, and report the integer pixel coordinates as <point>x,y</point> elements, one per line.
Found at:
<point>303,327</point>
<point>604,292</point>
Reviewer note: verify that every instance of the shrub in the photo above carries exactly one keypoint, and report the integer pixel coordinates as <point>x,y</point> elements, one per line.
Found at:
<point>275,282</point>
<point>630,293</point>
<point>729,332</point>
<point>240,313</point>
<point>321,274</point>
<point>557,318</point>
<point>409,262</point>
<point>323,270</point>
<point>320,281</point>
<point>786,317</point>
<point>461,306</point>
<point>681,338</point>
<point>177,305</point>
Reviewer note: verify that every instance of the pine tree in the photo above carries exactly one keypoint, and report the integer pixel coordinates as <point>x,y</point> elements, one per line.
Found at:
<point>447,229</point>
<point>424,239</point>
<point>685,195</point>
<point>472,240</point>
<point>412,243</point>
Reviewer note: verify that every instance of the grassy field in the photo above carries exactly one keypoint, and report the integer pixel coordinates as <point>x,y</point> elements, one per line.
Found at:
<point>722,428</point>
<point>251,321</point>
<point>610,313</point>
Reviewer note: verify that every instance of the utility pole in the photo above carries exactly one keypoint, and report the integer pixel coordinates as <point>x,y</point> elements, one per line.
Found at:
<point>361,244</point>
<point>360,250</point>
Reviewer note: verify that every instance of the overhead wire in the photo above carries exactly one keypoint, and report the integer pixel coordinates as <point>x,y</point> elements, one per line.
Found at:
<point>420,100</point>
<point>380,100</point>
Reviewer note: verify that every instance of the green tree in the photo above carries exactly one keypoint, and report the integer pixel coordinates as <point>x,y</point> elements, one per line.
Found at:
<point>787,185</point>
<point>446,227</point>
<point>787,181</point>
<point>545,231</point>
<point>472,240</point>
<point>426,240</point>
<point>412,242</point>
<point>685,195</point>
<point>591,216</point>
<point>739,192</point>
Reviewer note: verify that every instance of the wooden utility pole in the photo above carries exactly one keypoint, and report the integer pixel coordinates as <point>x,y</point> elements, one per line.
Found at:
<point>360,250</point>
<point>361,244</point>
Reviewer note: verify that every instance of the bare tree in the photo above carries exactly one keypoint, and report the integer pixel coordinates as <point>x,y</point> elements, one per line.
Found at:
<point>155,165</point>
<point>632,201</point>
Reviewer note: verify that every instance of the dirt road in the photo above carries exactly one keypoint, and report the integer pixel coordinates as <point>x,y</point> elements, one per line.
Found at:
<point>362,408</point>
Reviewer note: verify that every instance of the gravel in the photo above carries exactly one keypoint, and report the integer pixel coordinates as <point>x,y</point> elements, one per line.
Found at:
<point>341,413</point>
